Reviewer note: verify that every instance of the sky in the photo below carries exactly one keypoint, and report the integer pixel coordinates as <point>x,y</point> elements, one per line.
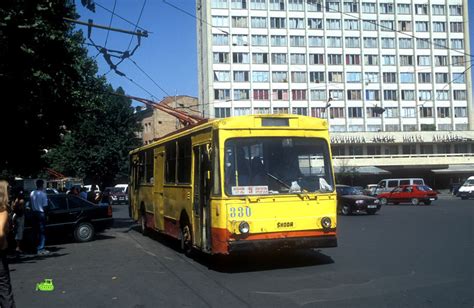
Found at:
<point>168,55</point>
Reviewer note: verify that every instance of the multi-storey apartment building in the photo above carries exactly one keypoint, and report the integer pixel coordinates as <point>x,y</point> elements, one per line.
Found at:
<point>392,77</point>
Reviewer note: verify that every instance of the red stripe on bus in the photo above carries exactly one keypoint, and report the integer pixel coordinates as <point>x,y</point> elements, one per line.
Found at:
<point>171,227</point>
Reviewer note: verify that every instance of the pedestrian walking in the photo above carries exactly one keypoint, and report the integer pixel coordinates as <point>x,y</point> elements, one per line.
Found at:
<point>19,219</point>
<point>6,293</point>
<point>39,201</point>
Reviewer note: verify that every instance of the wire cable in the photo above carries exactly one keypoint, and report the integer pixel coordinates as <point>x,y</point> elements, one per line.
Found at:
<point>138,22</point>
<point>120,17</point>
<point>149,77</point>
<point>110,23</point>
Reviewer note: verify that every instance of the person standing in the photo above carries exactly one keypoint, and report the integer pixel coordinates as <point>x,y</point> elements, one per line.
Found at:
<point>19,219</point>
<point>6,293</point>
<point>39,201</point>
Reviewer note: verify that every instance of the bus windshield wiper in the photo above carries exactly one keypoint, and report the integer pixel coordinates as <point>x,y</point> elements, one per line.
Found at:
<point>289,187</point>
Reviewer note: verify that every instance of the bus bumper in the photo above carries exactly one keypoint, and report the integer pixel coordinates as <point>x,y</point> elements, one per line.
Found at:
<point>283,243</point>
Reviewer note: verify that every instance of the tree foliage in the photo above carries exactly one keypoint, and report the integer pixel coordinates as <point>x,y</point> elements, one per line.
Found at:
<point>54,101</point>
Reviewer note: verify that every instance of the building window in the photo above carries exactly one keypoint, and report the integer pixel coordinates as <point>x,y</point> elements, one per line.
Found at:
<point>408,95</point>
<point>424,60</point>
<point>421,9</point>
<point>406,60</point>
<point>459,95</point>
<point>407,77</point>
<point>351,24</point>
<point>372,95</point>
<point>354,95</point>
<point>277,23</point>
<point>403,8</point>
<point>258,22</point>
<point>261,110</point>
<point>405,25</point>
<point>369,25</point>
<point>220,21</point>
<point>370,42</point>
<point>280,110</point>
<point>280,76</point>
<point>458,61</point>
<point>316,77</point>
<point>456,27</point>
<point>460,112</point>
<point>371,113</point>
<point>219,4</point>
<point>334,41</point>
<point>260,76</point>
<point>422,43</point>
<point>426,112</point>
<point>388,60</point>
<point>443,112</point>
<point>391,112</point>
<point>440,43</point>
<point>333,24</point>
<point>241,94</point>
<point>437,9</point>
<point>354,112</point>
<point>371,77</point>
<point>424,78</point>
<point>352,42</point>
<point>221,76</point>
<point>316,58</point>
<point>389,78</point>
<point>298,77</point>
<point>439,26</point>
<point>441,60</point>
<point>425,95</point>
<point>352,59</point>
<point>239,22</point>
<point>298,58</point>
<point>336,94</point>
<point>387,25</point>
<point>455,10</point>
<point>392,128</point>
<point>336,112</point>
<point>390,95</point>
<point>258,4</point>
<point>441,77</point>
<point>259,40</point>
<point>222,112</point>
<point>279,58</point>
<point>220,39</point>
<point>371,59</point>
<point>295,5</point>
<point>388,42</point>
<point>297,41</point>
<point>458,78</point>
<point>278,40</point>
<point>318,95</point>
<point>408,112</point>
<point>334,59</point>
<point>333,6</point>
<point>386,8</point>
<point>315,23</point>
<point>280,95</point>
<point>277,5</point>
<point>260,58</point>
<point>457,43</point>
<point>298,95</point>
<point>240,40</point>
<point>221,57</point>
<point>238,4</point>
<point>422,26</point>
<point>405,43</point>
<point>314,5</point>
<point>335,77</point>
<point>315,41</point>
<point>239,111</point>
<point>353,77</point>
<point>351,7</point>
<point>241,76</point>
<point>368,7</point>
<point>221,94</point>
<point>240,57</point>
<point>442,95</point>
<point>296,23</point>
<point>260,95</point>
<point>300,110</point>
<point>318,112</point>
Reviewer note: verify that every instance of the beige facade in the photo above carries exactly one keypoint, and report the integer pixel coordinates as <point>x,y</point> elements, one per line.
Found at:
<point>157,123</point>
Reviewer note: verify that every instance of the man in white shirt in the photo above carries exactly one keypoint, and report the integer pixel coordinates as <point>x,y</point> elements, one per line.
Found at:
<point>39,201</point>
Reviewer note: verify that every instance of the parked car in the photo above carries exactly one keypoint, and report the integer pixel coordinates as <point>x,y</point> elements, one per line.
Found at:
<point>51,191</point>
<point>387,185</point>
<point>114,195</point>
<point>69,214</point>
<point>124,187</point>
<point>466,190</point>
<point>409,193</point>
<point>370,190</point>
<point>351,199</point>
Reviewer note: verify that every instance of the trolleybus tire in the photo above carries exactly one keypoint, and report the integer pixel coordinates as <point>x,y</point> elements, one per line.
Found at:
<point>186,239</point>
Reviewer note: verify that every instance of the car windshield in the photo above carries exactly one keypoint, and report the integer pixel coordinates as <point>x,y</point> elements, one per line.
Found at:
<point>469,182</point>
<point>278,165</point>
<point>350,191</point>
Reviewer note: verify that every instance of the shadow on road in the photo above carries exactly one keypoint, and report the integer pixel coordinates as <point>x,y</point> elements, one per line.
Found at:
<point>247,262</point>
<point>33,258</point>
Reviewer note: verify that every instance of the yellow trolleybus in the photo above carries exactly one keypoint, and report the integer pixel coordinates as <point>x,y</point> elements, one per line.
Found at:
<point>240,183</point>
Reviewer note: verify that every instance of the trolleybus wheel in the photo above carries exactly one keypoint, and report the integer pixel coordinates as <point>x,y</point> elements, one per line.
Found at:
<point>186,239</point>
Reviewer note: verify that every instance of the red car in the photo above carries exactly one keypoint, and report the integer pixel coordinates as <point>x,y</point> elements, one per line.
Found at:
<point>409,193</point>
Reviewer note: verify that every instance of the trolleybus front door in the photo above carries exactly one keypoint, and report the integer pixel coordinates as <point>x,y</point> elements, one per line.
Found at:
<point>158,188</point>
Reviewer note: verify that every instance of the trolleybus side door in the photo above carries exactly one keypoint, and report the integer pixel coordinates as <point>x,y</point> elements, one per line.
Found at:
<point>158,187</point>
<point>201,185</point>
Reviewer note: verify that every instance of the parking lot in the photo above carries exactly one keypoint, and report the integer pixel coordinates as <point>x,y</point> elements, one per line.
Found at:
<point>404,256</point>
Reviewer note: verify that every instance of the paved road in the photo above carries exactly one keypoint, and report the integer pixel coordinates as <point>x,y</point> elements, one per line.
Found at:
<point>405,256</point>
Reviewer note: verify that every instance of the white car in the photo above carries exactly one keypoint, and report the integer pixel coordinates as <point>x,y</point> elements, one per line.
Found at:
<point>124,187</point>
<point>466,190</point>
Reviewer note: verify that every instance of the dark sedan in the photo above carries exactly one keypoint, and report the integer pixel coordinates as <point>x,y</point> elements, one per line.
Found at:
<point>114,195</point>
<point>69,214</point>
<point>352,200</point>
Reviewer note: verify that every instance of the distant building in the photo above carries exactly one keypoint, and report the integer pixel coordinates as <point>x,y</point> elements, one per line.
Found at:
<point>383,73</point>
<point>157,123</point>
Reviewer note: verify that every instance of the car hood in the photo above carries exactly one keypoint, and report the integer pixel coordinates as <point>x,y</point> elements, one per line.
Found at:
<point>357,197</point>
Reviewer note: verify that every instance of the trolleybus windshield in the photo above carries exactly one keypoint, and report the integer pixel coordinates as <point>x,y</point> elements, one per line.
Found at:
<point>277,165</point>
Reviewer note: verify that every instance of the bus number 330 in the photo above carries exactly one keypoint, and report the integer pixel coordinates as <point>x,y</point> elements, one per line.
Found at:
<point>240,212</point>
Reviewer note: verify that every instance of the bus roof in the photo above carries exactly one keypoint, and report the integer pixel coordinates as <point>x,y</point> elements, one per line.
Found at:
<point>273,121</point>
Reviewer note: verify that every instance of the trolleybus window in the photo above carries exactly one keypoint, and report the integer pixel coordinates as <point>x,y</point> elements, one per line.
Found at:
<point>277,165</point>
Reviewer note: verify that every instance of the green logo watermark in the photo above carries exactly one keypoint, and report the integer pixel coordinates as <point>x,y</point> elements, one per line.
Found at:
<point>46,286</point>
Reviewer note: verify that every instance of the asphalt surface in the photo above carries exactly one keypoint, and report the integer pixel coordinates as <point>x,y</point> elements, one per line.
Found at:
<point>404,256</point>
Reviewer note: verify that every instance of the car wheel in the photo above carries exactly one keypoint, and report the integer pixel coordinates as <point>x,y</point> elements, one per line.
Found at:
<point>383,201</point>
<point>415,201</point>
<point>427,202</point>
<point>84,232</point>
<point>186,239</point>
<point>371,212</point>
<point>346,209</point>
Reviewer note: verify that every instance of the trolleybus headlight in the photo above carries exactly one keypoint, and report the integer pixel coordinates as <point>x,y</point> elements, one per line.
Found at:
<point>244,227</point>
<point>326,222</point>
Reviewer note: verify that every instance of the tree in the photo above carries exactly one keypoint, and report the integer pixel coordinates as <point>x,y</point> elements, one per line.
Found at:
<point>97,147</point>
<point>42,65</point>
